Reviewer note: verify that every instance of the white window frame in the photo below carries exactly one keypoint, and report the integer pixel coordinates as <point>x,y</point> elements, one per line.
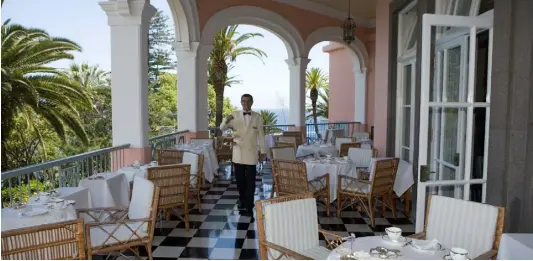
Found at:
<point>405,57</point>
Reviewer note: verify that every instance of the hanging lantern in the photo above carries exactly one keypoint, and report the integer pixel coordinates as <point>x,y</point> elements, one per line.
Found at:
<point>348,28</point>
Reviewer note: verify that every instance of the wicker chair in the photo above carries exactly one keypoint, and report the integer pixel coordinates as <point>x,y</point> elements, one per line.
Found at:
<point>284,152</point>
<point>280,144</point>
<point>174,181</point>
<point>380,185</point>
<point>345,147</point>
<point>119,229</point>
<point>57,241</point>
<point>288,229</point>
<point>290,177</point>
<point>287,139</point>
<point>341,140</point>
<point>168,157</point>
<point>297,134</point>
<point>470,225</point>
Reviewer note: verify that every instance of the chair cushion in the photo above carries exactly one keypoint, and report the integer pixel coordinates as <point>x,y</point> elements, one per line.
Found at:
<point>460,223</point>
<point>339,141</point>
<point>360,157</point>
<point>141,198</point>
<point>358,187</point>
<point>123,233</point>
<point>292,224</point>
<point>317,253</point>
<point>285,153</point>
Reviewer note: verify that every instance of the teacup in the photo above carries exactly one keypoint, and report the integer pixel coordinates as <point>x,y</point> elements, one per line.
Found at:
<point>457,253</point>
<point>394,233</point>
<point>153,163</point>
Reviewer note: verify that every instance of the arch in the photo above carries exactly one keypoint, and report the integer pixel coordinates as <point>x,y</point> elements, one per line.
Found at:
<point>259,17</point>
<point>334,34</point>
<point>361,61</point>
<point>186,22</point>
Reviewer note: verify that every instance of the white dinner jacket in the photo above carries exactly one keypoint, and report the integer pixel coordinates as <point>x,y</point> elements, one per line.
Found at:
<point>246,137</point>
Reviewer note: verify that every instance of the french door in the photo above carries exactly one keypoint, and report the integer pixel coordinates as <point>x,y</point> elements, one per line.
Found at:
<point>447,105</point>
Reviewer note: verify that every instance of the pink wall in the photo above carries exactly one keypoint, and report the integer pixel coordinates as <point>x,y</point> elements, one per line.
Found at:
<point>341,82</point>
<point>381,77</point>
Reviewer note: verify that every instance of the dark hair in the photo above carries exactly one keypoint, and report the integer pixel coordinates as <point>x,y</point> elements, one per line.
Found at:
<point>248,96</point>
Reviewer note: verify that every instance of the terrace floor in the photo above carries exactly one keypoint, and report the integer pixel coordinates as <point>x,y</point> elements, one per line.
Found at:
<point>219,232</point>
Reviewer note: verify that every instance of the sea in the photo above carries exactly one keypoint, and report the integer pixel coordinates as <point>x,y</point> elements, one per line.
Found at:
<point>283,115</point>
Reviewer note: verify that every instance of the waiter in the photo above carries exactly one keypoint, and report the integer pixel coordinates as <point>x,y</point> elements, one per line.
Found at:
<point>247,127</point>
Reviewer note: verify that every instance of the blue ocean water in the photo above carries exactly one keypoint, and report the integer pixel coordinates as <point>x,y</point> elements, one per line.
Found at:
<point>283,115</point>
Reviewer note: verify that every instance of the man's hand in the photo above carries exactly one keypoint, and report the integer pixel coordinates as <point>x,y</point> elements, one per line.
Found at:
<point>262,156</point>
<point>229,118</point>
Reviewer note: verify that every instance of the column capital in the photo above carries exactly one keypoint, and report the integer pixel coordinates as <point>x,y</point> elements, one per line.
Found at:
<point>128,12</point>
<point>189,49</point>
<point>358,70</point>
<point>298,61</point>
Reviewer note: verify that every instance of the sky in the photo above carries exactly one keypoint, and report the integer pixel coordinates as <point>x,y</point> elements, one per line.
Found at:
<point>84,22</point>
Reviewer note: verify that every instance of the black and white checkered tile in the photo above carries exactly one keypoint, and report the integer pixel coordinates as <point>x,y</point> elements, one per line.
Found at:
<point>219,232</point>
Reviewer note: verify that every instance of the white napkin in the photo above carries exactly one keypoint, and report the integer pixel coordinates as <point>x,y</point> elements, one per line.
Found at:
<point>426,246</point>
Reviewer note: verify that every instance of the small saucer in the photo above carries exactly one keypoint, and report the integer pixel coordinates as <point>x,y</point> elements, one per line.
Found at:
<point>448,257</point>
<point>401,240</point>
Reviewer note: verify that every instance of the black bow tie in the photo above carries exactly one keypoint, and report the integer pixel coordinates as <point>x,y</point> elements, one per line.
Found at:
<point>247,113</point>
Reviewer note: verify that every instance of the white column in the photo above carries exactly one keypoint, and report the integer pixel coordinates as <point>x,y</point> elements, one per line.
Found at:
<point>192,87</point>
<point>297,68</point>
<point>360,95</point>
<point>129,21</point>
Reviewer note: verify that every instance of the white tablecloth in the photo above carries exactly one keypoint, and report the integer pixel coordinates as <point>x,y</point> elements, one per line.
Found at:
<point>12,220</point>
<point>406,253</point>
<point>131,172</point>
<point>112,191</point>
<point>210,158</point>
<point>516,247</point>
<point>316,150</point>
<point>82,196</point>
<point>334,168</point>
<point>404,176</point>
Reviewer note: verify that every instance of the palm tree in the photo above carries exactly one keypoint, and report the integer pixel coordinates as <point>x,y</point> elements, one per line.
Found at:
<point>88,76</point>
<point>270,119</point>
<point>30,87</point>
<point>226,48</point>
<point>315,80</point>
<point>322,106</point>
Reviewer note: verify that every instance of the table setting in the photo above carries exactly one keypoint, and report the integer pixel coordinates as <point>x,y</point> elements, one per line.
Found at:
<point>44,208</point>
<point>318,166</point>
<point>210,157</point>
<point>107,189</point>
<point>136,170</point>
<point>317,149</point>
<point>393,245</point>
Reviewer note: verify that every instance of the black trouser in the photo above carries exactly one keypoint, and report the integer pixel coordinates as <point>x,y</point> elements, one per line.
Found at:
<point>245,176</point>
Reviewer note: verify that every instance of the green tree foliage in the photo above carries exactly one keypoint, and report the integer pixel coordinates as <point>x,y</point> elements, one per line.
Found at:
<point>315,80</point>
<point>269,119</point>
<point>322,105</point>
<point>162,106</point>
<point>227,46</point>
<point>228,108</point>
<point>161,56</point>
<point>34,90</point>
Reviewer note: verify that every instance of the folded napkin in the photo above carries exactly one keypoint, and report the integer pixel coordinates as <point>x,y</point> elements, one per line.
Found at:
<point>427,246</point>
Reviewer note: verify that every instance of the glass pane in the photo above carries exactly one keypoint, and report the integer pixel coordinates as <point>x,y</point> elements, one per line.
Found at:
<point>482,55</point>
<point>478,142</point>
<point>405,155</point>
<point>485,6</point>
<point>463,7</point>
<point>433,145</point>
<point>407,127</point>
<point>435,92</point>
<point>408,70</point>
<point>449,135</point>
<point>476,192</point>
<point>453,75</point>
<point>452,191</point>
